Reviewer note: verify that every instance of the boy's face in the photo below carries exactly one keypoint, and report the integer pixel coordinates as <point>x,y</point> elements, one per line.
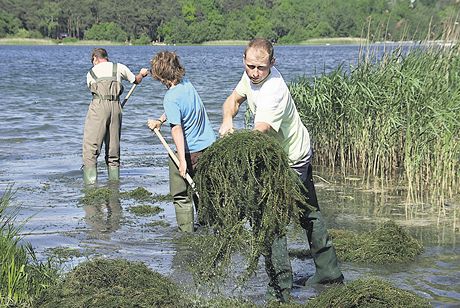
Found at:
<point>257,64</point>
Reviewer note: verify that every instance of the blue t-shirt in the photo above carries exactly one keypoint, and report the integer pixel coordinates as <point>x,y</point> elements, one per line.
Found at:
<point>183,106</point>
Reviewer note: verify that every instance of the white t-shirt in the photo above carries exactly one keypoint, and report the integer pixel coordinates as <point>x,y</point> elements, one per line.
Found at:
<point>271,102</point>
<point>104,69</point>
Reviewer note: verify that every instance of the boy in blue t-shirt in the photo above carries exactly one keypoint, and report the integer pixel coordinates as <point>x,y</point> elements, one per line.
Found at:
<point>190,129</point>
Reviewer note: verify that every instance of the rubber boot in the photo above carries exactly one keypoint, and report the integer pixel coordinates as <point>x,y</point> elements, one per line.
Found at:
<point>184,218</point>
<point>89,175</point>
<point>279,271</point>
<point>114,173</point>
<point>323,252</point>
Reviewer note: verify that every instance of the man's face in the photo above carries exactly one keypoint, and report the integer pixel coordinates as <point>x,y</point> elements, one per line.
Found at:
<point>257,64</point>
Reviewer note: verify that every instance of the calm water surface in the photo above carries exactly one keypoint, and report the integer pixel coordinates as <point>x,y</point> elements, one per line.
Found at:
<point>44,102</point>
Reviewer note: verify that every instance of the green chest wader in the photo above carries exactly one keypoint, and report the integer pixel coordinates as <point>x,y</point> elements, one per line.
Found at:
<point>103,125</point>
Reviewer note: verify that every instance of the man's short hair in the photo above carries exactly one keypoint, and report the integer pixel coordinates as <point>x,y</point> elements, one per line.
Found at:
<point>99,53</point>
<point>263,44</point>
<point>166,68</point>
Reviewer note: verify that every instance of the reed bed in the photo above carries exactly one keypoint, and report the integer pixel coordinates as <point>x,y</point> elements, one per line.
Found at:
<point>392,118</point>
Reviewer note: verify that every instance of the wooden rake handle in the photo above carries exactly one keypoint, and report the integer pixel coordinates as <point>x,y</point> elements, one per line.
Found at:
<point>128,95</point>
<point>173,156</point>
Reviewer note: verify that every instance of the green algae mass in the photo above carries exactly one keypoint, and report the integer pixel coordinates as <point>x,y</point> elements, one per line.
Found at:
<point>388,244</point>
<point>113,283</point>
<point>367,293</point>
<point>245,183</point>
<point>145,210</point>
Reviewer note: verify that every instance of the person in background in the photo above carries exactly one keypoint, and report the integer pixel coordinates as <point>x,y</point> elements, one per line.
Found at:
<point>103,120</point>
<point>191,130</point>
<point>270,101</point>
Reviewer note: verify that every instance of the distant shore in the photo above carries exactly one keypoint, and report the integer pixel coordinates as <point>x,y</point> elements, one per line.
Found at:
<point>31,41</point>
<point>314,41</point>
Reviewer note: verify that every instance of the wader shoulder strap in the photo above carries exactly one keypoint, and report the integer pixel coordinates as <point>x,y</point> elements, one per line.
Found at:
<point>113,77</point>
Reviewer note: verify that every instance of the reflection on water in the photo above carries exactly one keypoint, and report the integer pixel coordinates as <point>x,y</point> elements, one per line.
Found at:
<point>104,217</point>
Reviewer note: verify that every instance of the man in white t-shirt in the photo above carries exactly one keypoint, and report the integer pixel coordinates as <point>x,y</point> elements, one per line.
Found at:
<point>270,101</point>
<point>103,120</point>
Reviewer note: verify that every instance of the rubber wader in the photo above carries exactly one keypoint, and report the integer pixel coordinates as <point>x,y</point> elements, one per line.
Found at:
<point>323,252</point>
<point>89,175</point>
<point>279,270</point>
<point>181,199</point>
<point>114,173</point>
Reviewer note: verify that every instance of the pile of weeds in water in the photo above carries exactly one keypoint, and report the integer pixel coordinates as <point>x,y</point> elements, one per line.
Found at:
<point>369,292</point>
<point>114,283</point>
<point>248,195</point>
<point>142,194</point>
<point>388,244</point>
<point>22,276</point>
<point>97,195</point>
<point>145,210</point>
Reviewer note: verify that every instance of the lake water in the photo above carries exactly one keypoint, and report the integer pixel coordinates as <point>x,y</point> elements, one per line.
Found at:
<point>44,102</point>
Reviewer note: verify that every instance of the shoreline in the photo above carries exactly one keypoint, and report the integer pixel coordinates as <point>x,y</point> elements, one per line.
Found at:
<point>31,41</point>
<point>309,42</point>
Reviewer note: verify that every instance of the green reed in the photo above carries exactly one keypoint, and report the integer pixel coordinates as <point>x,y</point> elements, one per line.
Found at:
<point>22,276</point>
<point>392,118</point>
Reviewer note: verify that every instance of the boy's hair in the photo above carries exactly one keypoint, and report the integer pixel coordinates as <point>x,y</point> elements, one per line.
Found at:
<point>166,68</point>
<point>99,53</point>
<point>263,44</point>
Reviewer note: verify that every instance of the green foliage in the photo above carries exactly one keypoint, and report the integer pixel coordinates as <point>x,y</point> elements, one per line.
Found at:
<point>144,39</point>
<point>388,244</point>
<point>394,118</point>
<point>186,21</point>
<point>9,24</point>
<point>108,31</point>
<point>244,179</point>
<point>367,292</point>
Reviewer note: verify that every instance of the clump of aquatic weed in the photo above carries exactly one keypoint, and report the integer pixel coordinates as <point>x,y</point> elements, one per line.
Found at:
<point>114,283</point>
<point>389,243</point>
<point>142,194</point>
<point>247,194</point>
<point>97,195</point>
<point>145,210</point>
<point>370,292</point>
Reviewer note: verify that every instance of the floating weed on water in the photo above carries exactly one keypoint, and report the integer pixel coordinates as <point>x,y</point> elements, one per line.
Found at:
<point>370,292</point>
<point>247,194</point>
<point>97,195</point>
<point>142,194</point>
<point>114,283</point>
<point>157,223</point>
<point>388,244</point>
<point>64,253</point>
<point>145,210</point>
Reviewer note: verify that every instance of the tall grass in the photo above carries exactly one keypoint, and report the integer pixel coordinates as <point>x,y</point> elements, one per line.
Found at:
<point>22,276</point>
<point>392,118</point>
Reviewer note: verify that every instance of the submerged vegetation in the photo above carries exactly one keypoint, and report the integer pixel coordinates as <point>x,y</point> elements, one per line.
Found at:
<point>244,179</point>
<point>388,244</point>
<point>393,118</point>
<point>22,277</point>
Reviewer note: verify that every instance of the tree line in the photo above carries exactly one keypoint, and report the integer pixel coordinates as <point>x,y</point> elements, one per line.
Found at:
<point>197,21</point>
